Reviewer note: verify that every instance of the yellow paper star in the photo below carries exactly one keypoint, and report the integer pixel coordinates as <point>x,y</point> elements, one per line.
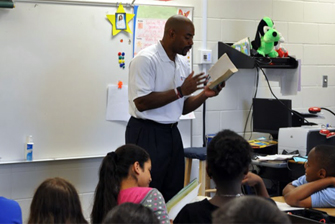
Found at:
<point>120,20</point>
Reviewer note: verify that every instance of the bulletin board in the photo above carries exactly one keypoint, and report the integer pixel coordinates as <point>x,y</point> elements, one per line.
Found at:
<point>149,25</point>
<point>56,63</point>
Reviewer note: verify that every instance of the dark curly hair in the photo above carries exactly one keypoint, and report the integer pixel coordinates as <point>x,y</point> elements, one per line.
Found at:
<point>228,156</point>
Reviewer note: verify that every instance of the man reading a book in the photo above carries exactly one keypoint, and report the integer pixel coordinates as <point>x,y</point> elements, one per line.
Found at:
<point>161,85</point>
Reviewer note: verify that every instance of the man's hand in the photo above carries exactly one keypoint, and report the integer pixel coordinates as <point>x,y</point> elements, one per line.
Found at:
<point>193,102</point>
<point>193,83</point>
<point>214,92</point>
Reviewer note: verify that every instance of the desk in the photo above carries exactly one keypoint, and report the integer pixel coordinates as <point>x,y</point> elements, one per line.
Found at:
<point>279,172</point>
<point>330,211</point>
<point>273,164</point>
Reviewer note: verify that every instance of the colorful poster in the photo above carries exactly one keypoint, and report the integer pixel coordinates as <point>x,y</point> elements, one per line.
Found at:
<point>149,25</point>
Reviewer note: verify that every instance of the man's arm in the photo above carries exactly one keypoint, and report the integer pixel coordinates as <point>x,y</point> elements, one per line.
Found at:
<point>158,99</point>
<point>155,100</point>
<point>301,196</point>
<point>194,102</point>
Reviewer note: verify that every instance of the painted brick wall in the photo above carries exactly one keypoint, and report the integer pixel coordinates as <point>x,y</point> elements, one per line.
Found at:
<point>308,28</point>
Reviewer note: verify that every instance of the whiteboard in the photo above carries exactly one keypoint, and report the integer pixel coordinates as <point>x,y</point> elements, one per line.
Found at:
<point>56,63</point>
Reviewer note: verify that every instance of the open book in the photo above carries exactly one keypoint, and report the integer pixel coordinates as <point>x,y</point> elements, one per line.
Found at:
<point>183,197</point>
<point>222,70</point>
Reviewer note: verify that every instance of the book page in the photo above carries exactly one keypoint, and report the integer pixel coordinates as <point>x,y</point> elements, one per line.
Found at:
<point>283,206</point>
<point>188,198</point>
<point>222,70</point>
<point>183,197</point>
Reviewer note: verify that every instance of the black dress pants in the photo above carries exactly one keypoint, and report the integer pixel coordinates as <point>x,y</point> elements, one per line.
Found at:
<point>165,147</point>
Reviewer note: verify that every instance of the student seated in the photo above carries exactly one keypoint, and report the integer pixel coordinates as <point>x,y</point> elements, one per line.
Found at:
<point>316,188</point>
<point>56,201</point>
<point>124,177</point>
<point>10,211</point>
<point>131,213</point>
<point>228,160</point>
<point>250,209</point>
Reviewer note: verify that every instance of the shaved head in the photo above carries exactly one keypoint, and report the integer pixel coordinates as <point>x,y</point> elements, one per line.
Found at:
<point>176,22</point>
<point>178,36</point>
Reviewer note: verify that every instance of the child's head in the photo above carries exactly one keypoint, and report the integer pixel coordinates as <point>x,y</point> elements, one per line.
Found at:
<point>127,161</point>
<point>131,213</point>
<point>228,156</point>
<point>56,201</point>
<point>250,209</point>
<point>321,163</point>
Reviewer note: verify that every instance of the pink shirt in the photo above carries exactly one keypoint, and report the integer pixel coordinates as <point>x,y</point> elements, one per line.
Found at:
<point>149,197</point>
<point>133,194</point>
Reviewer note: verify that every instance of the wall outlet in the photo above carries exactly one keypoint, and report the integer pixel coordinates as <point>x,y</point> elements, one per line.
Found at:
<point>205,56</point>
<point>325,81</point>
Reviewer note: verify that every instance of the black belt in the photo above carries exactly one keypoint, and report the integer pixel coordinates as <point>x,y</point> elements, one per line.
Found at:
<point>147,121</point>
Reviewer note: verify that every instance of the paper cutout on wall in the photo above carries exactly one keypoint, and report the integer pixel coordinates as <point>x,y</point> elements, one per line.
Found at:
<point>185,13</point>
<point>120,20</point>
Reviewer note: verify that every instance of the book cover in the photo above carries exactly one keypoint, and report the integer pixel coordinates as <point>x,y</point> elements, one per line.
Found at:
<point>221,71</point>
<point>243,46</point>
<point>255,143</point>
<point>183,197</point>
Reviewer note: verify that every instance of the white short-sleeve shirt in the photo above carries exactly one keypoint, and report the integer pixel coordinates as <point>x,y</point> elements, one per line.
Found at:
<point>152,71</point>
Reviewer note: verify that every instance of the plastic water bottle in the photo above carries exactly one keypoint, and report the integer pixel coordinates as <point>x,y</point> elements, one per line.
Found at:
<point>29,148</point>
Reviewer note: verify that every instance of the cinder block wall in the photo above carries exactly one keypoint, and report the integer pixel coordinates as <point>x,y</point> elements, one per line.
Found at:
<point>308,28</point>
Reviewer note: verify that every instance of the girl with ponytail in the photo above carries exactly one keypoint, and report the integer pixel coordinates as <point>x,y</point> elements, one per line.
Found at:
<point>124,177</point>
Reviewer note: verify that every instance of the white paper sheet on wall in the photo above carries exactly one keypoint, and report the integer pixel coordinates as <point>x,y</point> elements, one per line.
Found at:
<point>117,103</point>
<point>188,116</point>
<point>150,29</point>
<point>289,79</point>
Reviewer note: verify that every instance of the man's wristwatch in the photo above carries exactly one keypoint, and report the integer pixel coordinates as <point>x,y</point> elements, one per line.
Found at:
<point>179,93</point>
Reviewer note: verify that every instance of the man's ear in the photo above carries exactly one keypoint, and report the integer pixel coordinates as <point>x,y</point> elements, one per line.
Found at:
<point>322,173</point>
<point>172,33</point>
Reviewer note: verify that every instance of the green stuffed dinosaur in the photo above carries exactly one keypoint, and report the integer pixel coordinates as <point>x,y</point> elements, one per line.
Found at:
<point>266,38</point>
